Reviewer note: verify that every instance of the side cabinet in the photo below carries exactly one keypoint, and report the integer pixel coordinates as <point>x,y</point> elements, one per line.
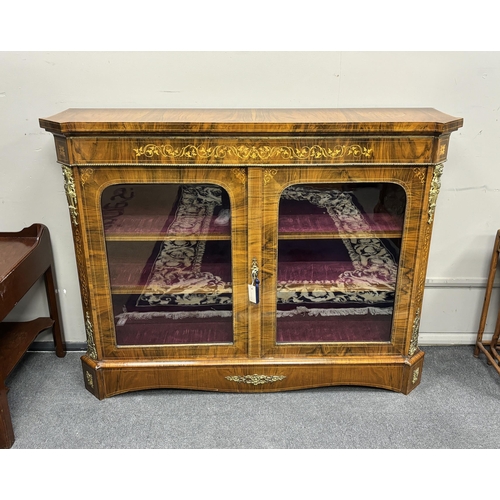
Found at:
<point>251,250</point>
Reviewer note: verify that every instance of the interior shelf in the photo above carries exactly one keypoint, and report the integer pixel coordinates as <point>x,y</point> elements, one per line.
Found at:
<point>134,212</point>
<point>124,237</point>
<point>194,267</point>
<point>128,278</point>
<point>379,225</point>
<point>173,267</point>
<point>323,211</point>
<point>141,228</point>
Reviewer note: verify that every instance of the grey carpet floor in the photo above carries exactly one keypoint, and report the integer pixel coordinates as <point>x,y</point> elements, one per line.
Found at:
<point>456,406</point>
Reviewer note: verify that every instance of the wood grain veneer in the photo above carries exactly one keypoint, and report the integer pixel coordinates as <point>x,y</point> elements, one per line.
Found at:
<point>241,121</point>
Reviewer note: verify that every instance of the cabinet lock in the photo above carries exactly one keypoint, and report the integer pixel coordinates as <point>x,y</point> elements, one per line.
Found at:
<point>253,288</point>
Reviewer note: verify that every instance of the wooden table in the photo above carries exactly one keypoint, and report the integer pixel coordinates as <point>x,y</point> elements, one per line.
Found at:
<point>25,257</point>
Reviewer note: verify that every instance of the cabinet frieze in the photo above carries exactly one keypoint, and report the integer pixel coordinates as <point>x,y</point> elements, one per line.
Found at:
<point>250,150</point>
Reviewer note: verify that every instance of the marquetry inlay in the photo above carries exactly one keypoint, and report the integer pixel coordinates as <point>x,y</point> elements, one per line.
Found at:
<point>86,175</point>
<point>250,152</point>
<point>240,174</point>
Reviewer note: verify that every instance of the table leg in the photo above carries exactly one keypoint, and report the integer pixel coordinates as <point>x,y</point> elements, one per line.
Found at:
<point>6,430</point>
<point>53,301</point>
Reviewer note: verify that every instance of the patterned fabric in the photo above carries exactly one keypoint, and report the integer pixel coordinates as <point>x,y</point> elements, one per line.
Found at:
<point>374,266</point>
<point>329,313</point>
<point>177,267</point>
<point>370,279</point>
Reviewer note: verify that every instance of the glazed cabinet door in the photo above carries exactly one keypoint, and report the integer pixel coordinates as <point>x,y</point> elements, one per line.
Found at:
<point>166,248</point>
<point>340,250</point>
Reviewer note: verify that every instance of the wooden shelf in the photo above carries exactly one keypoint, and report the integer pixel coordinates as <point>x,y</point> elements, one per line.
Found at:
<point>174,290</point>
<point>397,234</point>
<point>124,237</point>
<point>15,338</point>
<point>321,226</point>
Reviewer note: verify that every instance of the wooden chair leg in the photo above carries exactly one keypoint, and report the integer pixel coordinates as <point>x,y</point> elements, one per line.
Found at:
<point>6,430</point>
<point>494,343</point>
<point>487,297</point>
<point>53,302</point>
<point>490,349</point>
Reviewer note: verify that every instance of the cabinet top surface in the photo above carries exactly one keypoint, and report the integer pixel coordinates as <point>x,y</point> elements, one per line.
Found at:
<point>251,121</point>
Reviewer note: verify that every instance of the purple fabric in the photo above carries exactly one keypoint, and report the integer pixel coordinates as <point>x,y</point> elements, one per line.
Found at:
<point>334,329</point>
<point>124,214</point>
<point>217,260</point>
<point>154,332</point>
<point>312,260</point>
<point>302,216</point>
<point>133,224</point>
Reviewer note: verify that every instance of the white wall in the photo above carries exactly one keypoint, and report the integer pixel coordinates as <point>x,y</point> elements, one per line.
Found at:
<point>463,84</point>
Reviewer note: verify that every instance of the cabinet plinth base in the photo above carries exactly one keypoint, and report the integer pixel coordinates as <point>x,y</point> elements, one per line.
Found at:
<point>107,378</point>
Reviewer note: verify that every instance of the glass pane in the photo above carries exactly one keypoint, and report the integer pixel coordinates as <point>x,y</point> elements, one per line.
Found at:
<point>338,254</point>
<point>169,258</point>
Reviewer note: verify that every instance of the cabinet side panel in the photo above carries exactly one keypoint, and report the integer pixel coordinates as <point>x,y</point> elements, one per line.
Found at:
<point>431,187</point>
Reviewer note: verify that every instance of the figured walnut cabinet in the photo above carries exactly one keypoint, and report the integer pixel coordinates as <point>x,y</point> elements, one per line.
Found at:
<point>326,213</point>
